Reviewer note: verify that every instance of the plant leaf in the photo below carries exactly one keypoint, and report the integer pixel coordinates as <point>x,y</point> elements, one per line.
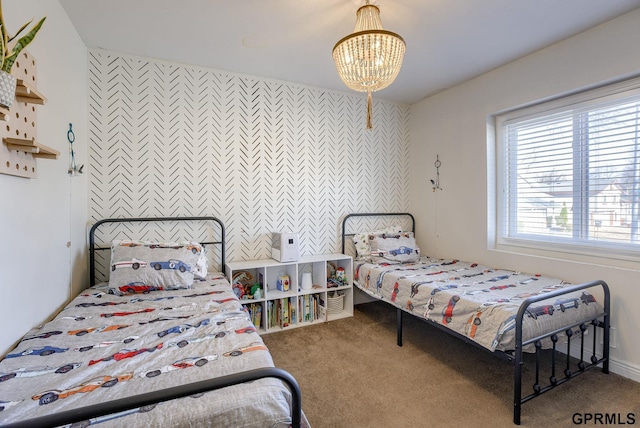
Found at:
<point>4,35</point>
<point>20,30</point>
<point>3,46</point>
<point>21,44</point>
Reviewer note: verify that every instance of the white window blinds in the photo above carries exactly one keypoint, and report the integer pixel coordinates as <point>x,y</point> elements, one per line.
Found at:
<point>569,170</point>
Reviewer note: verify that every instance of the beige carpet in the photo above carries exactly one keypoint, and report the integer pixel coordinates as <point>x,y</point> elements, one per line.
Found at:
<point>352,374</point>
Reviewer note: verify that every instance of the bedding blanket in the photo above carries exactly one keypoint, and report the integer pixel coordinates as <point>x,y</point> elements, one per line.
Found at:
<point>475,301</point>
<point>103,347</point>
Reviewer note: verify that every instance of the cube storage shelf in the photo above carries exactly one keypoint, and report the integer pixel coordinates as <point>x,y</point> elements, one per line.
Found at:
<point>330,298</point>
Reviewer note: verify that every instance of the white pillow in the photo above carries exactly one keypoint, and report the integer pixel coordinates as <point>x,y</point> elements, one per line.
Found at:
<point>141,266</point>
<point>362,241</point>
<point>398,247</point>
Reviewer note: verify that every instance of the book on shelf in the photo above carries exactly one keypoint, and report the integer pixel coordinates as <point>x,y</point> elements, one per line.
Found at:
<point>255,312</point>
<point>305,308</point>
<point>289,311</point>
<point>310,308</point>
<point>293,310</point>
<point>271,314</point>
<point>284,317</point>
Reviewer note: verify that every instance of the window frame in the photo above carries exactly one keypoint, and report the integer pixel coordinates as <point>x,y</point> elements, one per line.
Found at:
<point>502,234</point>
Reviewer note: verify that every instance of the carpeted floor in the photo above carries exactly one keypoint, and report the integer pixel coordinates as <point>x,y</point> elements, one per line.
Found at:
<point>352,374</point>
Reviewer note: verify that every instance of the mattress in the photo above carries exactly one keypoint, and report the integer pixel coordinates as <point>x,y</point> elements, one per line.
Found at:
<point>476,301</point>
<point>102,347</point>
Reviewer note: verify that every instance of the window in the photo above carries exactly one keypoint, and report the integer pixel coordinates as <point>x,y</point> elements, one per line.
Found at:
<point>568,173</point>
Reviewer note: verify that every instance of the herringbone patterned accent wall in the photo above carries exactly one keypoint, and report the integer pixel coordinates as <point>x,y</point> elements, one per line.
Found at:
<point>170,139</point>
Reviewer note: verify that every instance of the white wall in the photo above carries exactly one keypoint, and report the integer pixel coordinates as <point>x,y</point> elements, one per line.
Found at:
<point>453,124</point>
<point>43,220</point>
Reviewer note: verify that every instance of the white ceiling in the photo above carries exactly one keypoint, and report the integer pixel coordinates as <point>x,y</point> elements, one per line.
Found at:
<point>448,41</point>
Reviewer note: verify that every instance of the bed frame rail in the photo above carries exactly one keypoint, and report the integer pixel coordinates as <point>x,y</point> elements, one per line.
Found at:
<point>115,406</point>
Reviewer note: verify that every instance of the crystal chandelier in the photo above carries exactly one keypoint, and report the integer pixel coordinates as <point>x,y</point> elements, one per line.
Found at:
<point>369,59</point>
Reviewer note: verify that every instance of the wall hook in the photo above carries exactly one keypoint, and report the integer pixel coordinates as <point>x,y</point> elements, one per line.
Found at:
<point>73,168</point>
<point>436,183</point>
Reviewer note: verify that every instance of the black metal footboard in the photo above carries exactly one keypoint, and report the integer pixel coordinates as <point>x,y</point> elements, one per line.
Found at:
<point>559,375</point>
<point>601,321</point>
<point>110,407</point>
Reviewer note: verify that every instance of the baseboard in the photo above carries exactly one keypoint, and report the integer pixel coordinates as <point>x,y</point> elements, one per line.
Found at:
<point>625,370</point>
<point>621,368</point>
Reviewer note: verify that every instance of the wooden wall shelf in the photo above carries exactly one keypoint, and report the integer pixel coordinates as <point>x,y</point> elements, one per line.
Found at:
<point>28,94</point>
<point>31,146</point>
<point>20,147</point>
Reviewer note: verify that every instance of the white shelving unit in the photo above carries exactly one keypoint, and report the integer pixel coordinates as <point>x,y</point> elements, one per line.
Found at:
<point>329,298</point>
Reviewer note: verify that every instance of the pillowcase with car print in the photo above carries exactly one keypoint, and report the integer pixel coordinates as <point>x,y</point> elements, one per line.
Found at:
<point>362,242</point>
<point>394,248</point>
<point>143,267</point>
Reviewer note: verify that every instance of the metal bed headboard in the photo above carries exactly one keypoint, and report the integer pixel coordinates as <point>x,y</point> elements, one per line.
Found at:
<point>346,235</point>
<point>92,232</point>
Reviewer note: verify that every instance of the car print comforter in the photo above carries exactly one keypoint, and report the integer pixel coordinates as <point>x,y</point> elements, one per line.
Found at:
<point>475,301</point>
<point>103,347</point>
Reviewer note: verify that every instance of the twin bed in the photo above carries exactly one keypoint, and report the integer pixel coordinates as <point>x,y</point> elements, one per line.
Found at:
<point>501,311</point>
<point>166,342</point>
<point>164,327</point>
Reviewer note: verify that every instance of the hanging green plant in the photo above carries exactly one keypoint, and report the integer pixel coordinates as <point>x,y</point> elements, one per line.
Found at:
<point>10,48</point>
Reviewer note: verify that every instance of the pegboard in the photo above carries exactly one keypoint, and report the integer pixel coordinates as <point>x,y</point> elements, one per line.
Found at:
<point>20,148</point>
